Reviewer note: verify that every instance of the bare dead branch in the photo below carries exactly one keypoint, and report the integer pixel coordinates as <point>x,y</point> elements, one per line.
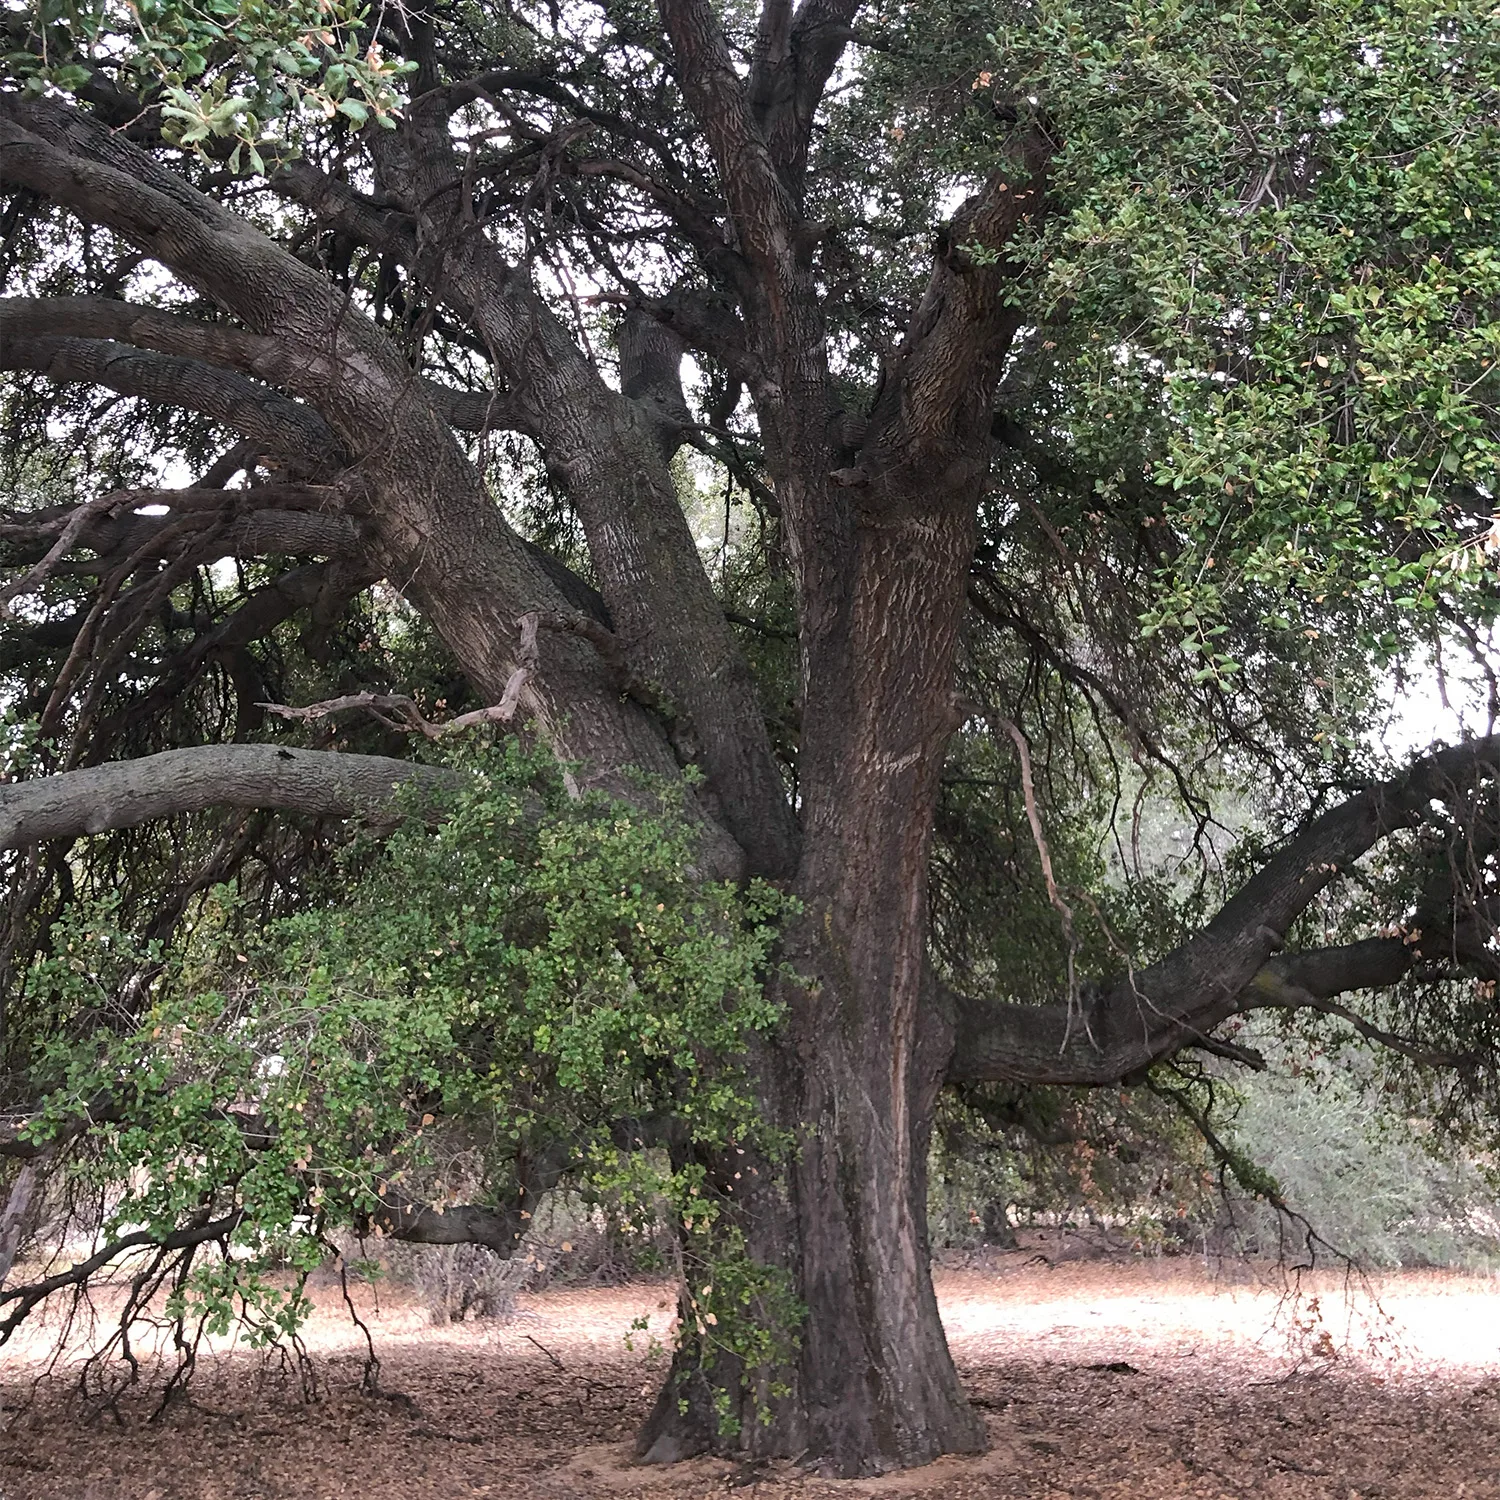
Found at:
<point>395,711</point>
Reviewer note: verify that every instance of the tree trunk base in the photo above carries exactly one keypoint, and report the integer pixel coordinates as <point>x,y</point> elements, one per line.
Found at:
<point>837,1443</point>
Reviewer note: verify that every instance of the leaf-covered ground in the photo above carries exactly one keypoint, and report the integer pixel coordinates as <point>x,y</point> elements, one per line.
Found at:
<point>1129,1381</point>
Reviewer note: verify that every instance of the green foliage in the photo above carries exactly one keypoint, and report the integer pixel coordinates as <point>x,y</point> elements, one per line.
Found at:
<point>459,1003</point>
<point>218,70</point>
<point>1273,250</point>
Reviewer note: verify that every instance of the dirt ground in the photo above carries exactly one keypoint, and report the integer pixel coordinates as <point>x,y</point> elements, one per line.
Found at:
<point>1135,1381</point>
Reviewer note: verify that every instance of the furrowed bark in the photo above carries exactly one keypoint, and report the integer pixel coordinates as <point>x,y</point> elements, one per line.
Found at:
<point>285,432</point>
<point>252,533</point>
<point>218,344</point>
<point>795,56</point>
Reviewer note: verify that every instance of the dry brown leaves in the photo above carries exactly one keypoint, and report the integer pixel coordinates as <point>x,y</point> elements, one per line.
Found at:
<point>1134,1382</point>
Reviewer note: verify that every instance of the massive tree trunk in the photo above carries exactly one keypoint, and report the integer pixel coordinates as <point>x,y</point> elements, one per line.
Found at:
<point>877,1386</point>
<point>856,1077</point>
<point>879,511</point>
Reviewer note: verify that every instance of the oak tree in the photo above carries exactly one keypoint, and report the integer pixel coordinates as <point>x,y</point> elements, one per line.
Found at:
<point>866,448</point>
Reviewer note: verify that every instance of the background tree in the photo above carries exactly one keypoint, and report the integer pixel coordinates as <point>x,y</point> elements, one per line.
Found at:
<point>1101,401</point>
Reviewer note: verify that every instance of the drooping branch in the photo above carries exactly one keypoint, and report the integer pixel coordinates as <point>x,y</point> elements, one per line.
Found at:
<point>27,1297</point>
<point>67,538</point>
<point>1310,981</point>
<point>1233,964</point>
<point>123,794</point>
<point>323,589</point>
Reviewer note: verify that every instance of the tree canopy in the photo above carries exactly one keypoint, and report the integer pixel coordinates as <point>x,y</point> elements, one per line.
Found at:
<point>612,594</point>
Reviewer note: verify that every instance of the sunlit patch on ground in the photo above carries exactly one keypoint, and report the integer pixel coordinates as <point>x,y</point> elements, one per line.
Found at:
<point>1112,1382</point>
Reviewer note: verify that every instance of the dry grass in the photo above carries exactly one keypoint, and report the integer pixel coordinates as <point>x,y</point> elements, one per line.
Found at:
<point>1138,1381</point>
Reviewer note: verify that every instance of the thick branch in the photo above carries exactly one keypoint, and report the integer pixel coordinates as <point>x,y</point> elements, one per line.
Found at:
<point>608,452</point>
<point>651,376</point>
<point>283,429</point>
<point>761,205</point>
<point>145,328</point>
<point>123,794</point>
<point>255,533</point>
<point>930,424</point>
<point>336,205</point>
<point>1232,965</point>
<point>460,1224</point>
<point>1309,981</point>
<point>500,1228</point>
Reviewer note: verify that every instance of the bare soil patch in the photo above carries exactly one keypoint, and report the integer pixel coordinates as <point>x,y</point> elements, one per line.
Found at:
<point>1139,1381</point>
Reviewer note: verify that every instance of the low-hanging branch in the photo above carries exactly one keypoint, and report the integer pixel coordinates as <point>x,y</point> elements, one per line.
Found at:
<point>24,1298</point>
<point>1233,965</point>
<point>124,794</point>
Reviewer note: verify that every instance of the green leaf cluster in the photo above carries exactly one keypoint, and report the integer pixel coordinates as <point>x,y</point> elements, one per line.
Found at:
<point>535,977</point>
<point>1273,260</point>
<point>238,72</point>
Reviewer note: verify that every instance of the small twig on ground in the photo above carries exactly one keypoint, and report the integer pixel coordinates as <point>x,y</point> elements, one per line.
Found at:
<point>590,1384</point>
<point>557,1364</point>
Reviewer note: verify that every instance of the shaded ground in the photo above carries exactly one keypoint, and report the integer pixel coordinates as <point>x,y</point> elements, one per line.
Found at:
<point>1141,1380</point>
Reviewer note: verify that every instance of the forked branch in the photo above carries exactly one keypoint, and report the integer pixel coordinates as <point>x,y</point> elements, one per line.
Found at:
<point>1233,965</point>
